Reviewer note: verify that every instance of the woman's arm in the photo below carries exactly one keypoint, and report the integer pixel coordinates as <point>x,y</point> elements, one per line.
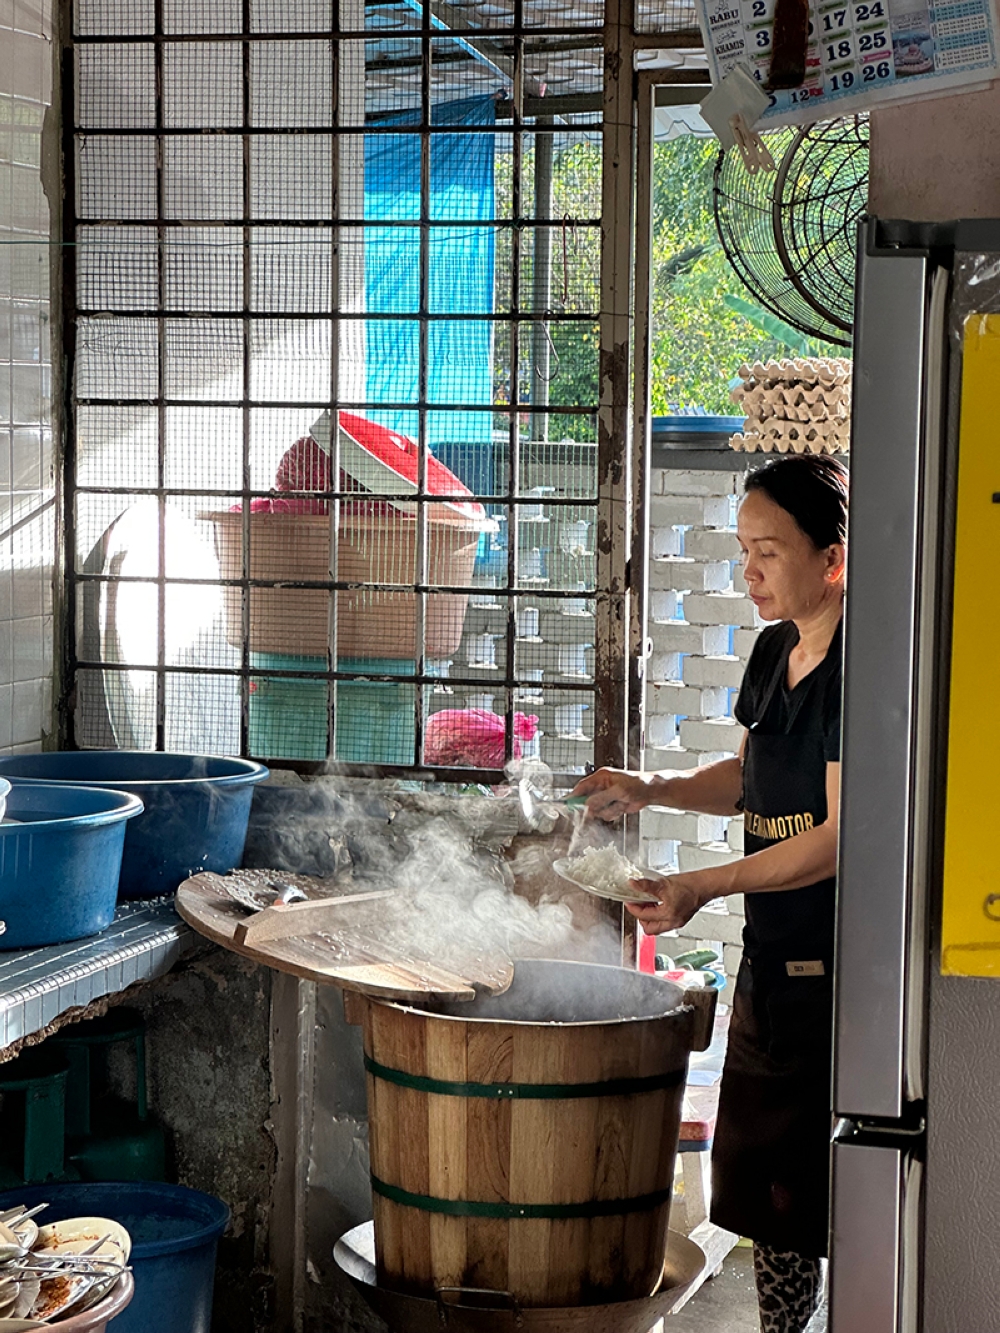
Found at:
<point>792,864</point>
<point>713,789</point>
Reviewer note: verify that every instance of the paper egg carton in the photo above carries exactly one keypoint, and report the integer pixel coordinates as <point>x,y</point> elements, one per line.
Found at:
<point>760,406</point>
<point>786,437</point>
<point>807,371</point>
<point>795,404</point>
<point>798,406</point>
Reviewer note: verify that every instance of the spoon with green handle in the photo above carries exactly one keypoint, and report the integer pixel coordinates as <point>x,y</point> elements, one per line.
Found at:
<point>534,801</point>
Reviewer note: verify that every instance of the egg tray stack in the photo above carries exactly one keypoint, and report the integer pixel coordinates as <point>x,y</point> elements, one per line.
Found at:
<point>799,407</point>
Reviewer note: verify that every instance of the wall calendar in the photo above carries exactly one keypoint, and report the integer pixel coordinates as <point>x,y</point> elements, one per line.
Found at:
<point>857,53</point>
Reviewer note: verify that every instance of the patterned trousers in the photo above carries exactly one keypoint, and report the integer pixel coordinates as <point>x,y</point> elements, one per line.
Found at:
<point>789,1288</point>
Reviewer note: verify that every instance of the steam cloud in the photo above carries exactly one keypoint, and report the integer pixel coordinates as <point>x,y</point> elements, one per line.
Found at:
<point>454,902</point>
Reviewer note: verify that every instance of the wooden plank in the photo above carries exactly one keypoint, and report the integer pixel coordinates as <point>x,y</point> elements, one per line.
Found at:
<point>703,1002</point>
<point>204,905</point>
<point>448,1136</point>
<point>386,1147</point>
<point>409,1051</point>
<point>490,1060</point>
<point>354,1007</point>
<point>716,1244</point>
<point>576,1133</point>
<point>288,919</point>
<point>532,1147</point>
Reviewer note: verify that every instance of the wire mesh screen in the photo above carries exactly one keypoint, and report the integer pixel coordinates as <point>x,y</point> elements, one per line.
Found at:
<point>331,476</point>
<point>674,17</point>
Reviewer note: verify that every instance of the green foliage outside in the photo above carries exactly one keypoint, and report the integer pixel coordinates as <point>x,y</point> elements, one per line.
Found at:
<point>705,322</point>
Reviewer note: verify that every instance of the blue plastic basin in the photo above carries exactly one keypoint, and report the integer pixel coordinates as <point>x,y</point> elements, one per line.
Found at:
<point>59,863</point>
<point>196,815</point>
<point>175,1233</point>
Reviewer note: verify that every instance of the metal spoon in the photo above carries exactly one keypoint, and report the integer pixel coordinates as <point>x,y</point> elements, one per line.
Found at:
<point>534,801</point>
<point>286,893</point>
<point>20,1213</point>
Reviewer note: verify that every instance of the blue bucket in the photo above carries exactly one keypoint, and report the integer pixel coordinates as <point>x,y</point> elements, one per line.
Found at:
<point>175,1234</point>
<point>60,857</point>
<point>196,815</point>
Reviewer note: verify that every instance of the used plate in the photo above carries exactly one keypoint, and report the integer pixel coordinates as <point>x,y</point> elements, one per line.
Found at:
<point>58,1295</point>
<point>27,1296</point>
<point>8,1295</point>
<point>77,1234</point>
<point>26,1231</point>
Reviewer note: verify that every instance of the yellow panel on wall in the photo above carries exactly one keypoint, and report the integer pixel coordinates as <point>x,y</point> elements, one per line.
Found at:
<point>970,941</point>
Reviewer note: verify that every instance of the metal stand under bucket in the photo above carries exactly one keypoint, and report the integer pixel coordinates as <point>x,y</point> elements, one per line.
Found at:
<point>462,1311</point>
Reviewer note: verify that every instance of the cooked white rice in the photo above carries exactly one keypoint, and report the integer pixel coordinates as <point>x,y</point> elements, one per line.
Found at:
<point>601,868</point>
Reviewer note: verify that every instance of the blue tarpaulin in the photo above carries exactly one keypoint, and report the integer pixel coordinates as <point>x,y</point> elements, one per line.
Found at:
<point>460,272</point>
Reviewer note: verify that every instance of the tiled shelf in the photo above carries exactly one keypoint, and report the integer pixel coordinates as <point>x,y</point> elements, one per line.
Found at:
<point>145,940</point>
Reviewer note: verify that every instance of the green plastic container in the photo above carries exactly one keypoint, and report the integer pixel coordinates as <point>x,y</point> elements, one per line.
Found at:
<point>375,719</point>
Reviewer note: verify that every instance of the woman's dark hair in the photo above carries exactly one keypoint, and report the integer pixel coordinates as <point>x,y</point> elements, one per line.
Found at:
<point>810,487</point>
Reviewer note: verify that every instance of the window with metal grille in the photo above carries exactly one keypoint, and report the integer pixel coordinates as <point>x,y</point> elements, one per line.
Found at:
<point>333,300</point>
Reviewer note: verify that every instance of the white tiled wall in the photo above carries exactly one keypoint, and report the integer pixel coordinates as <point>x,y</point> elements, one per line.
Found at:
<point>702,629</point>
<point>27,507</point>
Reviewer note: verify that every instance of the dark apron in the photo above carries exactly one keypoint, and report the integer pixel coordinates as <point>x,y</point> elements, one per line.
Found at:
<point>771,1156</point>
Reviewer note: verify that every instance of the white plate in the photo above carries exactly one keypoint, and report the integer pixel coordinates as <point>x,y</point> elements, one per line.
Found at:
<point>79,1233</point>
<point>8,1296</point>
<point>10,1244</point>
<point>26,1299</point>
<point>26,1231</point>
<point>59,1295</point>
<point>19,1325</point>
<point>616,893</point>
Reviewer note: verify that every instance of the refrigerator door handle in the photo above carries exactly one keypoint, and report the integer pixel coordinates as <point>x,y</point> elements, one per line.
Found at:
<point>874,1277</point>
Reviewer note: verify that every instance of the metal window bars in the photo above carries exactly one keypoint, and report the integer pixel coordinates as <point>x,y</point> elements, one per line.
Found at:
<point>384,213</point>
<point>381,213</point>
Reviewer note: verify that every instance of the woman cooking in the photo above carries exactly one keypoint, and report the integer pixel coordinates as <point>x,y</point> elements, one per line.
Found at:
<point>771,1152</point>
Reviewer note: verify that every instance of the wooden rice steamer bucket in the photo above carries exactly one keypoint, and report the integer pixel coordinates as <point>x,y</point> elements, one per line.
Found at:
<point>524,1143</point>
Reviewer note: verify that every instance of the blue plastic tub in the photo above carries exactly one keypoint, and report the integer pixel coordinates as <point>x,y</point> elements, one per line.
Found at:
<point>60,862</point>
<point>175,1233</point>
<point>197,808</point>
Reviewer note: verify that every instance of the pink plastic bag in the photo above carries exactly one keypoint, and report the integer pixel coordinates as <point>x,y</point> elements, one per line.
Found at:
<point>473,738</point>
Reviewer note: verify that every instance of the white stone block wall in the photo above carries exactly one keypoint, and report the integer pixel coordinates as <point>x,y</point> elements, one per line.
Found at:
<point>702,628</point>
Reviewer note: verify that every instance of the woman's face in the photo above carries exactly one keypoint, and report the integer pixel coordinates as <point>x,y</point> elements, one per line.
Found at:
<point>788,579</point>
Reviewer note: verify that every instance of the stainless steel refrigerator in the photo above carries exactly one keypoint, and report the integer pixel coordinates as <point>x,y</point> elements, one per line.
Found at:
<point>916,1155</point>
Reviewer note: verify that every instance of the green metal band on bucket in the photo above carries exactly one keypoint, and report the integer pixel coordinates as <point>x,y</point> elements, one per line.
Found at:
<point>544,1092</point>
<point>428,1203</point>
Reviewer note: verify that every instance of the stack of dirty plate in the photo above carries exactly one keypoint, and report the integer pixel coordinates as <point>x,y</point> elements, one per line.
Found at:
<point>74,1273</point>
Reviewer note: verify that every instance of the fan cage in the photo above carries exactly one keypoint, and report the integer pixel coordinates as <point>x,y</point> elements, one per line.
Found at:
<point>785,257</point>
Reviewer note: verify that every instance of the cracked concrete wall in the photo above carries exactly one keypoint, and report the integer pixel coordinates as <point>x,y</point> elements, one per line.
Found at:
<point>338,1194</point>
<point>208,1065</point>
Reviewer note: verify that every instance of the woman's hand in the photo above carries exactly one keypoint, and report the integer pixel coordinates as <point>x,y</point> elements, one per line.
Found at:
<point>680,897</point>
<point>612,792</point>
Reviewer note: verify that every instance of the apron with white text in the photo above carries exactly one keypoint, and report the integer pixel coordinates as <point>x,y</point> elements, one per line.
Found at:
<point>771,1156</point>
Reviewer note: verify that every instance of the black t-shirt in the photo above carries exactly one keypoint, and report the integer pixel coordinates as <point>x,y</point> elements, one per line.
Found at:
<point>794,734</point>
<point>813,705</point>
